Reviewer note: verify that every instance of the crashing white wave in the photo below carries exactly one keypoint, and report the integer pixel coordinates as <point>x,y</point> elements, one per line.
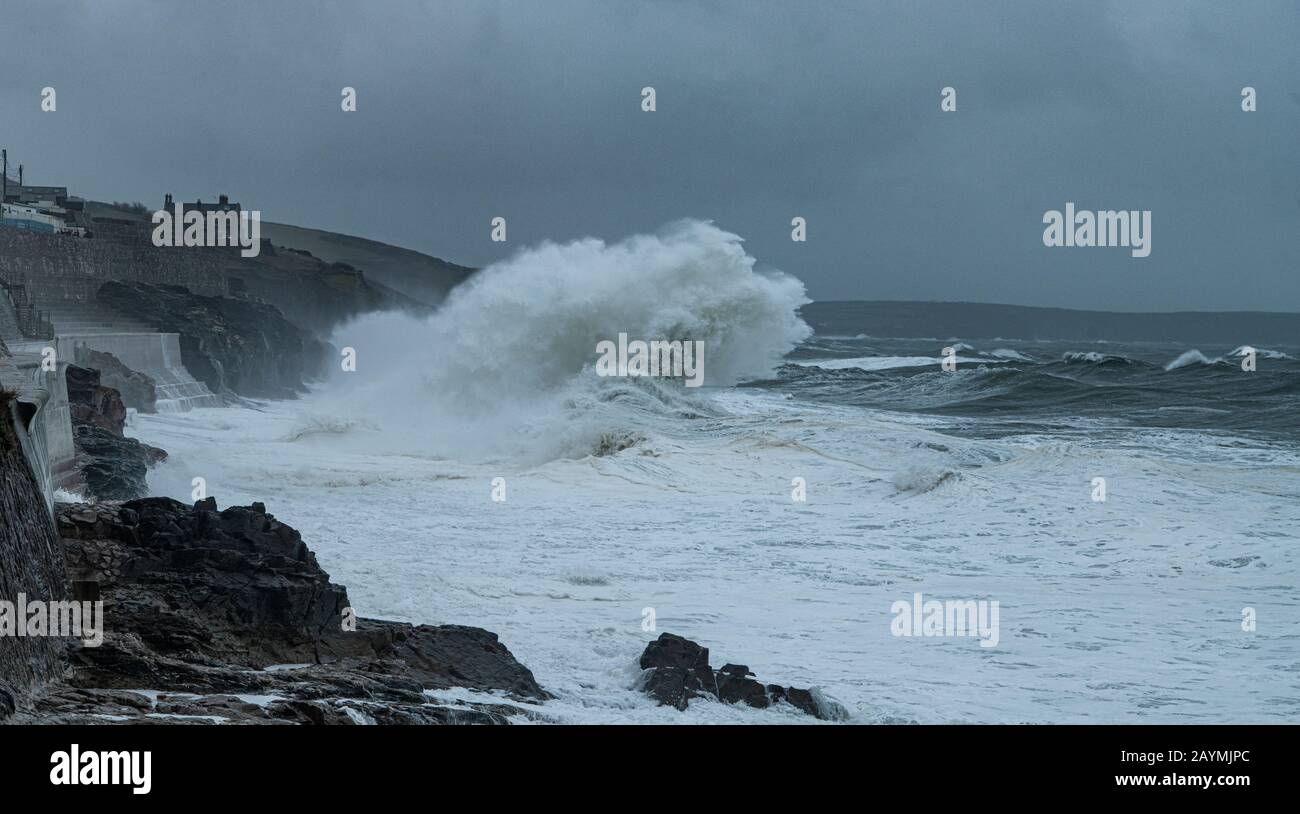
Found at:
<point>873,363</point>
<point>506,366</point>
<point>1008,353</point>
<point>1263,353</point>
<point>1192,357</point>
<point>1093,357</point>
<point>1195,357</point>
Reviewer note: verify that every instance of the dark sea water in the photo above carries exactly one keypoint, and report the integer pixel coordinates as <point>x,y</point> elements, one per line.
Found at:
<point>1006,387</point>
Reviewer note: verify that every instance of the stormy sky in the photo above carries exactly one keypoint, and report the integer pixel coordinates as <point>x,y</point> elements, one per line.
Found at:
<point>766,111</point>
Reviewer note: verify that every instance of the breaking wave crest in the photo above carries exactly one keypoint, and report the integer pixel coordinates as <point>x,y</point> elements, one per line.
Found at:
<point>1195,357</point>
<point>1092,357</point>
<point>507,366</point>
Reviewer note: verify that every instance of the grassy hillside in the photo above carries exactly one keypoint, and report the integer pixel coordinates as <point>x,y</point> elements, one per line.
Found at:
<point>418,276</point>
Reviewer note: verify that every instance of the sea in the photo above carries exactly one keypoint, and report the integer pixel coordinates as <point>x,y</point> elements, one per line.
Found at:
<point>1132,508</point>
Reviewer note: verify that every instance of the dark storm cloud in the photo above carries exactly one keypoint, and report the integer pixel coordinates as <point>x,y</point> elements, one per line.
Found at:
<point>765,111</point>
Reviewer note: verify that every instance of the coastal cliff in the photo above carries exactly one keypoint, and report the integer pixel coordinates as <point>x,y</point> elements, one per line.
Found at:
<point>309,291</point>
<point>232,345</point>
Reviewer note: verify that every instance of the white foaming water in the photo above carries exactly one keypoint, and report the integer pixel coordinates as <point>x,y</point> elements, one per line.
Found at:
<point>503,369</point>
<point>1127,610</point>
<point>1009,353</point>
<point>1195,357</point>
<point>871,363</point>
<point>1191,357</point>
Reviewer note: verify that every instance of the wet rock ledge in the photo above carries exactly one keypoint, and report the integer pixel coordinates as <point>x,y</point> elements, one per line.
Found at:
<point>226,617</point>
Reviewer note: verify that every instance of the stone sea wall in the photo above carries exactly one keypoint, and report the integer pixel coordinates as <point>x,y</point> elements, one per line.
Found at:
<point>31,563</point>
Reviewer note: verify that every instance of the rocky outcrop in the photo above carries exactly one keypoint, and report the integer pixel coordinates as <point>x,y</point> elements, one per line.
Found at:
<point>31,565</point>
<point>227,617</point>
<point>112,466</point>
<point>233,345</point>
<point>678,670</point>
<point>89,402</point>
<point>138,390</point>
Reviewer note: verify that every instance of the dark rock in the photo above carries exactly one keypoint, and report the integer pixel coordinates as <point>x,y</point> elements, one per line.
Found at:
<point>137,389</point>
<point>672,686</point>
<point>678,670</point>
<point>233,345</point>
<point>200,601</point>
<point>113,467</point>
<point>736,685</point>
<point>92,403</point>
<point>801,699</point>
<point>681,670</point>
<point>674,651</point>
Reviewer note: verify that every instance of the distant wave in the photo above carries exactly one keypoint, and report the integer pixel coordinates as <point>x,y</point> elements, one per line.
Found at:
<point>1195,357</point>
<point>1263,353</point>
<point>872,363</point>
<point>1008,353</point>
<point>1094,358</point>
<point>1192,357</point>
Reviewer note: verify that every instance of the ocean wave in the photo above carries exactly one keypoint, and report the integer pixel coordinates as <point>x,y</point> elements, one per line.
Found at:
<point>1092,357</point>
<point>874,363</point>
<point>1195,357</point>
<point>1008,353</point>
<point>1263,353</point>
<point>507,366</point>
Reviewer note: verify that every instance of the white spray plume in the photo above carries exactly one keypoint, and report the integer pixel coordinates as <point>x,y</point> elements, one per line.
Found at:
<point>506,366</point>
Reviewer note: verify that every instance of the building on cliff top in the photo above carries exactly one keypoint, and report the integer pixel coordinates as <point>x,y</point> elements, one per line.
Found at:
<point>43,209</point>
<point>223,204</point>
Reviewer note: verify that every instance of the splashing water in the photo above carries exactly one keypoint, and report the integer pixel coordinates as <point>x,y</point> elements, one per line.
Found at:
<point>506,367</point>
